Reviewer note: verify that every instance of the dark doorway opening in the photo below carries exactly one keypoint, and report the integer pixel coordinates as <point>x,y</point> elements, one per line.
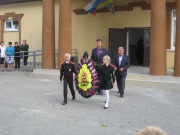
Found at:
<point>136,42</point>
<point>117,37</point>
<point>136,46</point>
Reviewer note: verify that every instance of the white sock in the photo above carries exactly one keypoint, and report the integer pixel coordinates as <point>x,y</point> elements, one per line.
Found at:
<point>104,92</point>
<point>107,97</point>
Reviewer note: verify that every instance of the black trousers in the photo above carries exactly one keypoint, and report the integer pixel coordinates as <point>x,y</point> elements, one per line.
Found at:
<point>25,61</point>
<point>121,83</point>
<point>17,62</point>
<point>71,87</point>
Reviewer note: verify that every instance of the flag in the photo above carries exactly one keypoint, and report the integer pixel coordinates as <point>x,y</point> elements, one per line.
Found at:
<point>99,4</point>
<point>90,8</point>
<point>102,3</point>
<point>95,5</point>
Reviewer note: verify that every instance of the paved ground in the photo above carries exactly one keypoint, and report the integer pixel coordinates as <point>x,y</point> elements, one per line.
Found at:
<point>32,106</point>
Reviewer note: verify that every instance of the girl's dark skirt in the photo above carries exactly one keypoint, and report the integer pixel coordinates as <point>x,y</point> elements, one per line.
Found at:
<point>106,84</point>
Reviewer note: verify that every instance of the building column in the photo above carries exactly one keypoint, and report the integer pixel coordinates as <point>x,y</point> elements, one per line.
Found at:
<point>2,31</point>
<point>158,38</point>
<point>65,30</point>
<point>177,47</point>
<point>48,36</point>
<point>19,23</point>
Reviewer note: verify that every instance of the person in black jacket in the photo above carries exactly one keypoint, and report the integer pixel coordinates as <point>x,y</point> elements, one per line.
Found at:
<point>24,48</point>
<point>122,63</point>
<point>17,55</point>
<point>66,73</point>
<point>97,57</point>
<point>107,73</point>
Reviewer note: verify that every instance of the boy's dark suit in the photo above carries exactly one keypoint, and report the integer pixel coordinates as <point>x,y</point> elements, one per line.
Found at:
<point>121,76</point>
<point>67,70</point>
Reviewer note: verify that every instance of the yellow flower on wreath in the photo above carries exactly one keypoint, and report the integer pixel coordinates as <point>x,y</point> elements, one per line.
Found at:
<point>85,71</point>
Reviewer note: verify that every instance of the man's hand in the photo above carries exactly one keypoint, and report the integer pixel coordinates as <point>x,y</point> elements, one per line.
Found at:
<point>121,69</point>
<point>115,68</point>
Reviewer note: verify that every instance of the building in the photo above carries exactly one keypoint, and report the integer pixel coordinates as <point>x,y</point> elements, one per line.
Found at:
<point>64,25</point>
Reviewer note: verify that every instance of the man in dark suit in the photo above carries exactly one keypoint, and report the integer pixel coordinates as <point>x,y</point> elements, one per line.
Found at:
<point>122,63</point>
<point>97,56</point>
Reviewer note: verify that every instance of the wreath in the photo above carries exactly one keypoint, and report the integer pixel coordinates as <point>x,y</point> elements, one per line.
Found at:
<point>86,77</point>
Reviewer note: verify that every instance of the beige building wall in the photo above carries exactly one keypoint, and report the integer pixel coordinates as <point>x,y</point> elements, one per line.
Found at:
<point>86,28</point>
<point>11,37</point>
<point>170,58</point>
<point>31,23</point>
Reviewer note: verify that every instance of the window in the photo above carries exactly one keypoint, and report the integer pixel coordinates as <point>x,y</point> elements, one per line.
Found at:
<point>11,25</point>
<point>173,29</point>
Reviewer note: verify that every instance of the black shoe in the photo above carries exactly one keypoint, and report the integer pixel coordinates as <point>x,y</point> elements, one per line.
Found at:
<point>121,95</point>
<point>64,103</point>
<point>64,100</point>
<point>73,98</point>
<point>105,107</point>
<point>104,101</point>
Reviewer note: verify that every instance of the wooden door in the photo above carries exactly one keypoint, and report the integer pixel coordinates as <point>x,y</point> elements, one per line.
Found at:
<point>146,60</point>
<point>117,38</point>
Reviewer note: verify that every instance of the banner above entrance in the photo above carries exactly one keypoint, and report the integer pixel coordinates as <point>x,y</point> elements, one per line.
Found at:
<point>95,5</point>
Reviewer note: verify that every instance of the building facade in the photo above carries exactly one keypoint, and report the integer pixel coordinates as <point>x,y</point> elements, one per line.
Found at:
<point>65,25</point>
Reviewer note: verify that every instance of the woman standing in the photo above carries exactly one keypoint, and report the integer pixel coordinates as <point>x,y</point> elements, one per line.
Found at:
<point>17,55</point>
<point>24,49</point>
<point>10,56</point>
<point>2,55</point>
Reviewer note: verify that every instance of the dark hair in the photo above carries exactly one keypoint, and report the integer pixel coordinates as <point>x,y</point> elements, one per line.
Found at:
<point>98,40</point>
<point>85,55</point>
<point>15,42</point>
<point>10,43</point>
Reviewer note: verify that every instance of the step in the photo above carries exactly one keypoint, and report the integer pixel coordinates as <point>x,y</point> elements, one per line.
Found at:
<point>132,80</point>
<point>156,82</point>
<point>168,79</point>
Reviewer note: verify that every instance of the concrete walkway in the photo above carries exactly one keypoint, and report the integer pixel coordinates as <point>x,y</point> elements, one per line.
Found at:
<point>137,77</point>
<point>31,105</point>
<point>133,70</point>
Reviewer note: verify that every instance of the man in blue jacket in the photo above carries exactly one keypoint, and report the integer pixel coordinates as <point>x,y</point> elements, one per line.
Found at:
<point>97,56</point>
<point>122,63</point>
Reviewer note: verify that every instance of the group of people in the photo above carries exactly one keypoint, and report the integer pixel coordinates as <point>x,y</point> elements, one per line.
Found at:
<point>104,68</point>
<point>13,53</point>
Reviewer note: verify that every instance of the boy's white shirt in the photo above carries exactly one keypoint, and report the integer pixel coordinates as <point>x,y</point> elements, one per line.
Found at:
<point>107,64</point>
